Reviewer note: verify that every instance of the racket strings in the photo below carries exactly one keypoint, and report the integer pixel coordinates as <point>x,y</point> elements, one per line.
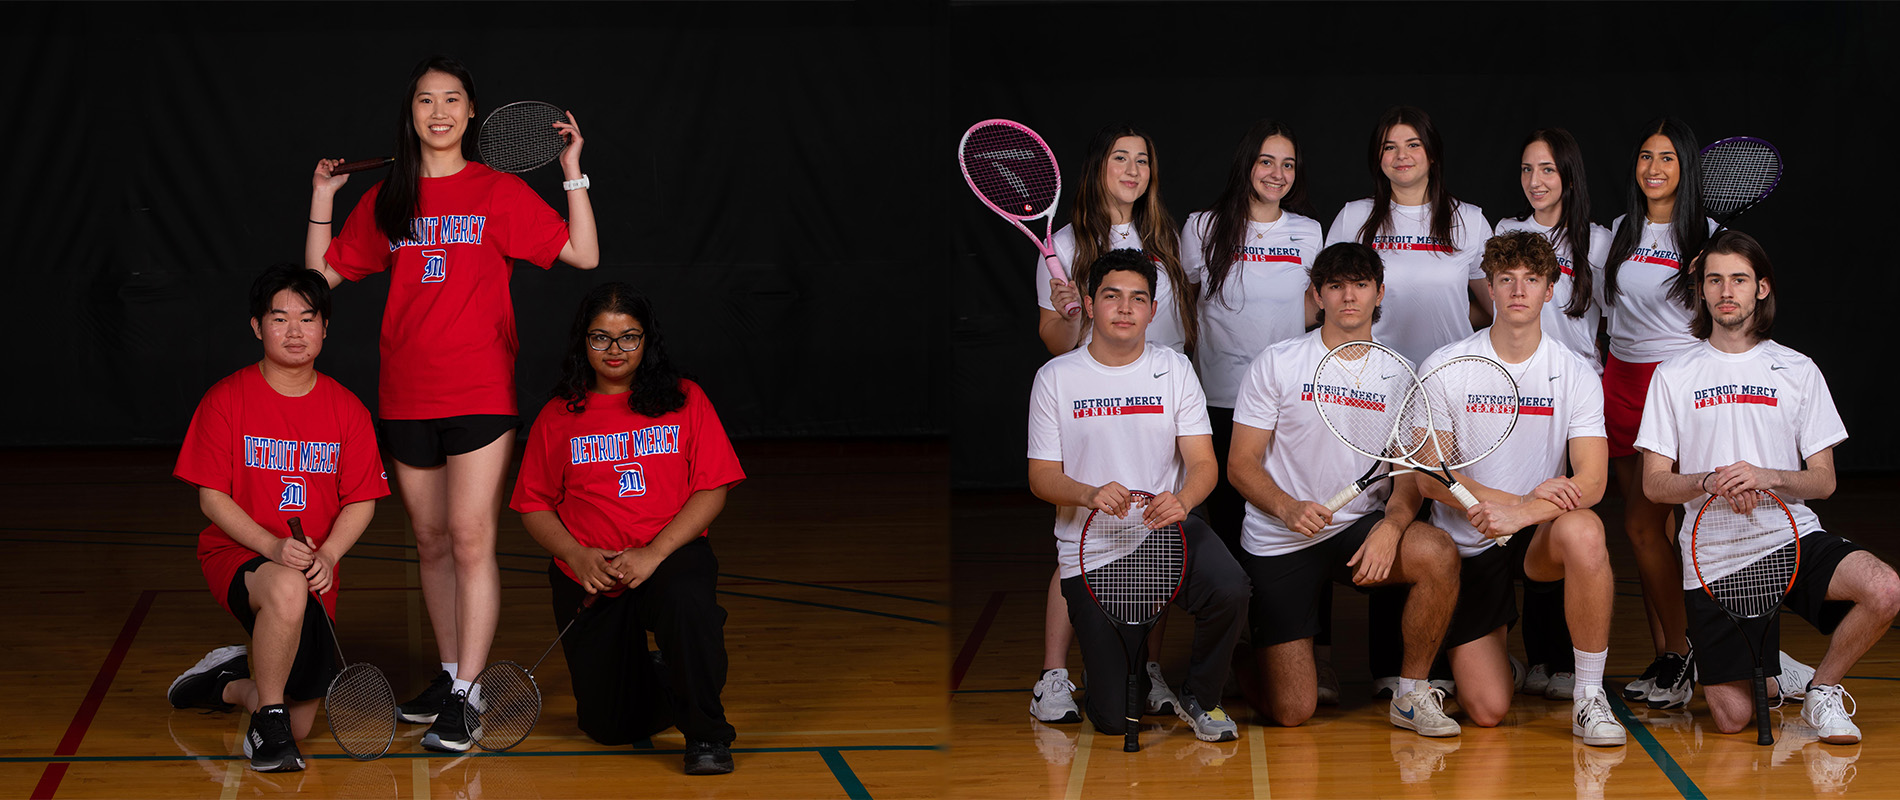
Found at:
<point>1736,173</point>
<point>1473,404</point>
<point>1762,538</point>
<point>510,706</point>
<point>521,136</point>
<point>1135,587</point>
<point>361,707</point>
<point>1364,393</point>
<point>1011,168</point>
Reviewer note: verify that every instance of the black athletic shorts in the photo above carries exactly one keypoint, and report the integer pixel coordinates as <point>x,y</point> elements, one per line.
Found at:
<point>1722,655</point>
<point>1287,587</point>
<point>1486,598</point>
<point>429,442</point>
<point>316,665</point>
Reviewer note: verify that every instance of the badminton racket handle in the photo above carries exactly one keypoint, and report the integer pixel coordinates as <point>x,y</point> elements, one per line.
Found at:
<point>1055,271</point>
<point>1339,501</point>
<point>361,165</point>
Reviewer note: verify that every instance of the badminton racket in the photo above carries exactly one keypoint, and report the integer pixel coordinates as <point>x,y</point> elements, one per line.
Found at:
<point>360,705</point>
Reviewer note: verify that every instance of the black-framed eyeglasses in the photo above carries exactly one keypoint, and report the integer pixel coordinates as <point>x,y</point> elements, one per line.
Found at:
<point>629,342</point>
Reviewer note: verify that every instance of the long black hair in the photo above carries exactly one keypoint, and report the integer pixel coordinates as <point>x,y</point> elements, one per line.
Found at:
<point>656,382</point>
<point>1686,220</point>
<point>1227,228</point>
<point>1573,226</point>
<point>400,198</point>
<point>1444,207</point>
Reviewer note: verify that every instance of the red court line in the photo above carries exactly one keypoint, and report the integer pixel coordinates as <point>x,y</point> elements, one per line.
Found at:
<point>970,645</point>
<point>88,708</point>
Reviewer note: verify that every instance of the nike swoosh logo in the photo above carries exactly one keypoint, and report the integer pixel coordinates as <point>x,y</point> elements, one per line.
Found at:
<point>1407,712</point>
<point>1038,698</point>
<point>1385,377</point>
<point>1773,367</point>
<point>1163,372</point>
<point>1554,377</point>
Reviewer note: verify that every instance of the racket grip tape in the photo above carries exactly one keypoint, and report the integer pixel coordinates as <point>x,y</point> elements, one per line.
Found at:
<point>1131,738</point>
<point>1465,497</point>
<point>1055,271</point>
<point>296,531</point>
<point>361,165</point>
<point>1339,501</point>
<point>1763,736</point>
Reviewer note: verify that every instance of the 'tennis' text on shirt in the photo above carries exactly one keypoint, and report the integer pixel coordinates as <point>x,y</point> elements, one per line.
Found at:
<point>1342,396</point>
<point>1395,242</point>
<point>598,447</point>
<point>1737,393</point>
<point>1110,406</point>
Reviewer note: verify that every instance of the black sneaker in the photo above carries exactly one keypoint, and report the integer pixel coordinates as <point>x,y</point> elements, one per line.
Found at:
<point>708,758</point>
<point>422,709</point>
<point>269,744</point>
<point>1639,689</point>
<point>202,686</point>
<point>450,733</point>
<point>1675,682</point>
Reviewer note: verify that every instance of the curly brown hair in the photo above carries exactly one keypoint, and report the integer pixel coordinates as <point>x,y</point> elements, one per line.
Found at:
<point>1527,249</point>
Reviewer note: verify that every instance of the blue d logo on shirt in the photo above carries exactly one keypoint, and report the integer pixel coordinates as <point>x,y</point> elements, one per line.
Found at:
<point>435,266</point>
<point>292,498</point>
<point>633,482</point>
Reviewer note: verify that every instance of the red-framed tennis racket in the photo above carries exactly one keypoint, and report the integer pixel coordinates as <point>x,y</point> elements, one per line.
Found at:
<point>1132,572</point>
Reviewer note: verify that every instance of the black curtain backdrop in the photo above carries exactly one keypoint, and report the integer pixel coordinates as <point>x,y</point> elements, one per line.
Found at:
<point>1815,79</point>
<point>157,156</point>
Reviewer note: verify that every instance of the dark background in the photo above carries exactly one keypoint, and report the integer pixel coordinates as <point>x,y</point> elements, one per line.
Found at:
<point>158,156</point>
<point>1815,79</point>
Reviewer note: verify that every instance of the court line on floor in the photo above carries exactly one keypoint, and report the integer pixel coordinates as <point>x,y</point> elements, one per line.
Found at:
<point>1657,753</point>
<point>1079,768</point>
<point>1257,753</point>
<point>540,754</point>
<point>89,707</point>
<point>970,644</point>
<point>853,788</point>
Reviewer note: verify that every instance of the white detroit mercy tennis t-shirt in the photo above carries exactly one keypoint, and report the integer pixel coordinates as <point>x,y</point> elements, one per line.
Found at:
<point>1706,409</point>
<point>1560,398</point>
<point>1579,334</point>
<point>1262,301</point>
<point>1113,424</point>
<point>1165,330</point>
<point>1305,459</point>
<point>1645,325</point>
<point>1427,282</point>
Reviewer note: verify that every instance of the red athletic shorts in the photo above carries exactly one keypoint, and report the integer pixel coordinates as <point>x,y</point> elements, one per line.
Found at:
<point>1625,387</point>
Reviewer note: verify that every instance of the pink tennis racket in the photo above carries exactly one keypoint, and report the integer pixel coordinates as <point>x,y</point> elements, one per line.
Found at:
<point>1014,172</point>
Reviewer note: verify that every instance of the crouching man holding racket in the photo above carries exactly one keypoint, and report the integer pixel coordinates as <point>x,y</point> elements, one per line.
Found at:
<point>1733,423</point>
<point>1283,459</point>
<point>1109,420</point>
<point>625,469</point>
<point>1525,498</point>
<point>274,441</point>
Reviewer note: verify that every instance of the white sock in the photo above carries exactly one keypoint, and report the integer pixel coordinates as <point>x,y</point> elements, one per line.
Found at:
<point>449,667</point>
<point>1590,668</point>
<point>461,686</point>
<point>1406,685</point>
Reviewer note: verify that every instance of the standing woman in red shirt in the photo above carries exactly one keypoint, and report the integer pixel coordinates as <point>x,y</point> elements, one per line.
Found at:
<point>448,230</point>
<point>624,470</point>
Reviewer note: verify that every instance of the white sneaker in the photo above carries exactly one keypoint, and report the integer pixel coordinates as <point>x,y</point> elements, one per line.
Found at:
<point>1160,698</point>
<point>1422,710</point>
<point>1563,686</point>
<point>1328,683</point>
<point>1830,711</point>
<point>1592,720</point>
<point>1383,688</point>
<point>1055,745</point>
<point>1535,681</point>
<point>1794,679</point>
<point>1210,725</point>
<point>1830,770</point>
<point>1418,758</point>
<point>1592,769</point>
<point>1051,700</point>
<point>1446,685</point>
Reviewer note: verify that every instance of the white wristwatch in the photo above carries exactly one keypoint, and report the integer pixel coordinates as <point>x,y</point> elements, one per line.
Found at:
<point>581,183</point>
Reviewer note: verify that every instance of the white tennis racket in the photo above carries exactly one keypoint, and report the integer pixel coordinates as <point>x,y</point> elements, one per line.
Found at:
<point>1014,172</point>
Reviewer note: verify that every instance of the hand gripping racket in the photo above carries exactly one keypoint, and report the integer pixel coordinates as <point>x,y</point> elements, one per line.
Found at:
<point>514,138</point>
<point>1132,573</point>
<point>1761,537</point>
<point>508,704</point>
<point>360,705</point>
<point>1014,172</point>
<point>1456,415</point>
<point>1737,173</point>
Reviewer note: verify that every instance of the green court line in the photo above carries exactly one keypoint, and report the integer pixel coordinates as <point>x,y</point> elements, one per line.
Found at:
<point>426,754</point>
<point>1664,761</point>
<point>853,788</point>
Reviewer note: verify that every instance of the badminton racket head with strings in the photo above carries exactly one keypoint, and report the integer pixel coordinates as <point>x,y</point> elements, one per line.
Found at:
<point>360,705</point>
<point>1366,394</point>
<point>1737,173</point>
<point>507,704</point>
<point>521,136</point>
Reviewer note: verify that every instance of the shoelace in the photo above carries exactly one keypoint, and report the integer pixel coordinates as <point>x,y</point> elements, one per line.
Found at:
<point>1597,709</point>
<point>1831,697</point>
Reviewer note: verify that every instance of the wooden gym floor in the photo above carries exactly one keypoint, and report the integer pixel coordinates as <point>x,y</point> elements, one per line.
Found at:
<point>833,563</point>
<point>1002,556</point>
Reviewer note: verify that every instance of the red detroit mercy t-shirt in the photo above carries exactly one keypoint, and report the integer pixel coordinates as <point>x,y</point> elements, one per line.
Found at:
<point>278,457</point>
<point>615,477</point>
<point>448,342</point>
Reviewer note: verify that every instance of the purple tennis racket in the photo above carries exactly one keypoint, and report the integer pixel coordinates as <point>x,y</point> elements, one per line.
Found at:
<point>1737,173</point>
<point>1014,172</point>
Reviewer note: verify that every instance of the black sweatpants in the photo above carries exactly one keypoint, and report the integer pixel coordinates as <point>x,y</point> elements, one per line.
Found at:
<point>1215,592</point>
<point>622,695</point>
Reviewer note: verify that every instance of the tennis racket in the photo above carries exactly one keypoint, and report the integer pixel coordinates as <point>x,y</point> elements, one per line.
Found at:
<point>509,701</point>
<point>1737,173</point>
<point>1014,172</point>
<point>1747,558</point>
<point>514,138</point>
<point>360,706</point>
<point>1455,415</point>
<point>1132,573</point>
